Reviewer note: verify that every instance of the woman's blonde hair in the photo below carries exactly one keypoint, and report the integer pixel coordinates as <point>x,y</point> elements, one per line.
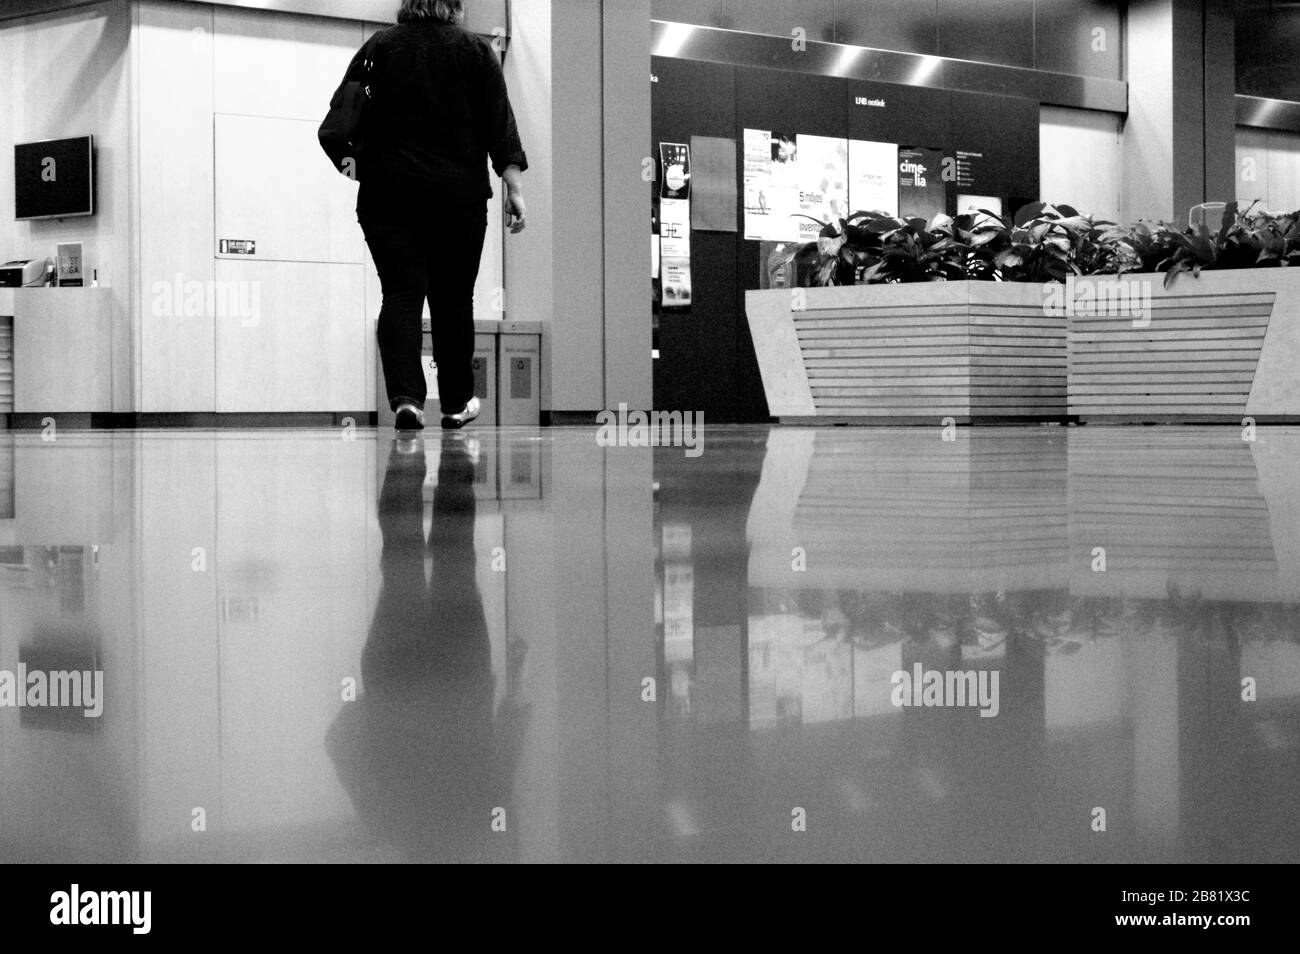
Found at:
<point>444,11</point>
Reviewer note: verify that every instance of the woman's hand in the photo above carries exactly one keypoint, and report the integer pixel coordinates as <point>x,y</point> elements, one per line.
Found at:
<point>516,212</point>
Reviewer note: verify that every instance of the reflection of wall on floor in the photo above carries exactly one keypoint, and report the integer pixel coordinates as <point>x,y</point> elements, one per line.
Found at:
<point>7,463</point>
<point>1139,668</point>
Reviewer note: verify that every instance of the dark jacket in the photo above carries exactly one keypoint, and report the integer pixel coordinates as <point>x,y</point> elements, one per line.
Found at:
<point>438,111</point>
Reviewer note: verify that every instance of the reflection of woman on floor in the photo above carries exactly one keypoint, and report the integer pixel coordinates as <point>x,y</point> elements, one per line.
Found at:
<point>419,752</point>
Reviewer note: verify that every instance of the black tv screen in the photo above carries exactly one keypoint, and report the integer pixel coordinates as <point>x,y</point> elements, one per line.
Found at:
<point>54,179</point>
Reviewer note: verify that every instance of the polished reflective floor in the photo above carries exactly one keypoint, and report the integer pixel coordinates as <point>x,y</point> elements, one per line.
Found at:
<point>1029,644</point>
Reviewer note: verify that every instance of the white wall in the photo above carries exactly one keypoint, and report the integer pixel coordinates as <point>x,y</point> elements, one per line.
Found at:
<point>227,107</point>
<point>575,72</point>
<point>1268,168</point>
<point>168,90</point>
<point>529,257</point>
<point>627,310</point>
<point>161,83</point>
<point>1080,155</point>
<point>64,75</point>
<point>172,66</point>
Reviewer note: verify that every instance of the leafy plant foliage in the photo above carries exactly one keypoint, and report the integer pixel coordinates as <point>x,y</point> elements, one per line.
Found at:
<point>1042,243</point>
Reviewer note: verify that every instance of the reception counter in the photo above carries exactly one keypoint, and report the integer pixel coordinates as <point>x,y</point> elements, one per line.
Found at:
<point>66,354</point>
<point>6,351</point>
<point>70,355</point>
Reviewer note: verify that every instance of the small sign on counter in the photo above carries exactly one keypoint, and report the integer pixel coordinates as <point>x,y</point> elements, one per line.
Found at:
<point>70,273</point>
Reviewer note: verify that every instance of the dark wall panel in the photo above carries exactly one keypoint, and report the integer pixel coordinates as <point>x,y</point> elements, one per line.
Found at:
<point>781,17</point>
<point>715,13</point>
<point>707,360</point>
<point>1254,42</point>
<point>779,100</point>
<point>696,370</point>
<point>1285,50</point>
<point>1066,38</point>
<point>911,116</point>
<point>909,26</point>
<point>1268,48</point>
<point>1054,35</point>
<point>1004,130</point>
<point>993,31</point>
<point>772,17</point>
<point>692,98</point>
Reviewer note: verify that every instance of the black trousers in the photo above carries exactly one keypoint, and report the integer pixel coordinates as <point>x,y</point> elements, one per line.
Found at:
<point>433,258</point>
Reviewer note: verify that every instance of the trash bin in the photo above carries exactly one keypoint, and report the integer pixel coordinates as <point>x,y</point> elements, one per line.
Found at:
<point>519,371</point>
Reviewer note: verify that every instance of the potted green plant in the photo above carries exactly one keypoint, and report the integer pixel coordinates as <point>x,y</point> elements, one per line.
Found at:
<point>967,318</point>
<point>1042,243</point>
<point>908,320</point>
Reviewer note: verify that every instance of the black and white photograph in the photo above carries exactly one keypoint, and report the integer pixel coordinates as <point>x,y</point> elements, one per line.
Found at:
<point>938,505</point>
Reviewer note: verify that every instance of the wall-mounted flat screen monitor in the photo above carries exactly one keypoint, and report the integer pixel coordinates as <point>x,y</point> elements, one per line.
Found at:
<point>54,179</point>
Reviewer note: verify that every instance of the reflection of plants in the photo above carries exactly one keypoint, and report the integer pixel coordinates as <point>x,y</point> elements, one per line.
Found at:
<point>923,622</point>
<point>1097,617</point>
<point>1039,615</point>
<point>1063,624</point>
<point>1230,622</point>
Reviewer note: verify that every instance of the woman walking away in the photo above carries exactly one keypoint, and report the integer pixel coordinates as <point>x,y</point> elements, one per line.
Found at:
<point>438,111</point>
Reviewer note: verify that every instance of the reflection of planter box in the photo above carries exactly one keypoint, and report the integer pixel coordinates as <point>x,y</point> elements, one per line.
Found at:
<point>1196,509</point>
<point>966,350</point>
<point>1216,348</point>
<point>897,509</point>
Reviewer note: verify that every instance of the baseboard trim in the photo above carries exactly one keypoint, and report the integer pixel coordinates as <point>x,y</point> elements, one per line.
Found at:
<point>569,418</point>
<point>199,420</point>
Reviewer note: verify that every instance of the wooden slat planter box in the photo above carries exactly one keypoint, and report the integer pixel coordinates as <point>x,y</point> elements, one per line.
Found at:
<point>1220,347</point>
<point>910,353</point>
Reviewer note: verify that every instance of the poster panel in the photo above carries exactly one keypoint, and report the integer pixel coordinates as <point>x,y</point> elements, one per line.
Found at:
<point>713,184</point>
<point>675,159</point>
<point>771,186</point>
<point>873,176</point>
<point>675,225</point>
<point>675,228</point>
<point>921,190</point>
<point>823,171</point>
<point>676,283</point>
